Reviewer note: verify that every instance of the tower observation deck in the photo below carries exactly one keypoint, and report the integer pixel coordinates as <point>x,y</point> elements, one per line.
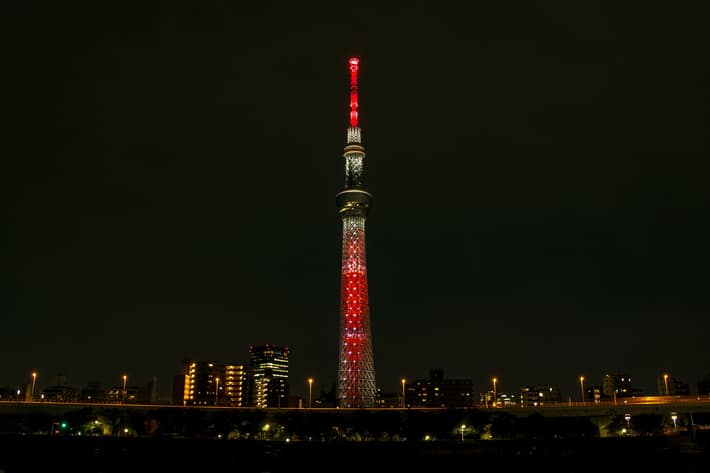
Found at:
<point>356,369</point>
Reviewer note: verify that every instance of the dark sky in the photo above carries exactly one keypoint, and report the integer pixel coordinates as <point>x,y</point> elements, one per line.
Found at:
<point>541,197</point>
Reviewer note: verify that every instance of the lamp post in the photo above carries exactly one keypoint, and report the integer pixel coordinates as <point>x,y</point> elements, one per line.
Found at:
<point>495,392</point>
<point>581,386</point>
<point>674,417</point>
<point>34,379</point>
<point>264,431</point>
<point>463,427</point>
<point>404,404</point>
<point>665,382</point>
<point>310,392</point>
<point>216,390</point>
<point>123,393</point>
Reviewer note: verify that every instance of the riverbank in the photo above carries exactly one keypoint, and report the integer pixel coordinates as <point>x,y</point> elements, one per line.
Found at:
<point>28,453</point>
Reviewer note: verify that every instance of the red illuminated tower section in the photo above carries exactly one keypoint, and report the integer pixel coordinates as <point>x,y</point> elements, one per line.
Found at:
<point>356,370</point>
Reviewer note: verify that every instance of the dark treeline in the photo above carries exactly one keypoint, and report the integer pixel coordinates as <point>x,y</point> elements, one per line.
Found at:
<point>296,425</point>
<point>108,439</point>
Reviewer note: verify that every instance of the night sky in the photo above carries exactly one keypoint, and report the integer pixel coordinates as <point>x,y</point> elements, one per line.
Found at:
<point>538,172</point>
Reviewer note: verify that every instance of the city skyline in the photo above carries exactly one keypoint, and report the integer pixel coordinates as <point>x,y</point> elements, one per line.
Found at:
<point>663,384</point>
<point>540,201</point>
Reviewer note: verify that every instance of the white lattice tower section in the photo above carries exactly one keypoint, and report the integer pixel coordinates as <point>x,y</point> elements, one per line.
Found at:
<point>356,383</point>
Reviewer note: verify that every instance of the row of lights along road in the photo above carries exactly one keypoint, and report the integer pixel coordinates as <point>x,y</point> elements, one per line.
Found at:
<point>310,389</point>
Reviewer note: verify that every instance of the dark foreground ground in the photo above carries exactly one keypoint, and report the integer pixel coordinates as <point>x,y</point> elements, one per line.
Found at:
<point>28,453</point>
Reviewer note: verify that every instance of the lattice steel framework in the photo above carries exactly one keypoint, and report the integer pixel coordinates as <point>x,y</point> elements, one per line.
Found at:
<point>356,370</point>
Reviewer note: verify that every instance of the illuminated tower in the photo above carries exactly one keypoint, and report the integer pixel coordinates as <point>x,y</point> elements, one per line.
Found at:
<point>356,369</point>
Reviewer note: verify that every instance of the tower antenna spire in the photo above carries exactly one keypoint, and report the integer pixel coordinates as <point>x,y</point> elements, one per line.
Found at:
<point>354,63</point>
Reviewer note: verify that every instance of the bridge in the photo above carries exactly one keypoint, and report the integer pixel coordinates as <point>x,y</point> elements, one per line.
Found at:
<point>633,406</point>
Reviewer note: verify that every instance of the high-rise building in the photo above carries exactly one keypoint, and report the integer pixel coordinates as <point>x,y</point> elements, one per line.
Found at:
<point>201,387</point>
<point>356,368</point>
<point>437,391</point>
<point>540,395</point>
<point>618,385</point>
<point>268,376</point>
<point>209,383</point>
<point>235,384</point>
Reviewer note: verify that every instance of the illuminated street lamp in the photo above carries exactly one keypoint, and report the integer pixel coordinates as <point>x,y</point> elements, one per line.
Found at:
<point>216,390</point>
<point>665,382</point>
<point>581,386</point>
<point>34,379</point>
<point>463,427</point>
<point>310,392</point>
<point>674,417</point>
<point>264,431</point>
<point>627,418</point>
<point>123,393</point>
<point>404,381</point>
<point>495,392</point>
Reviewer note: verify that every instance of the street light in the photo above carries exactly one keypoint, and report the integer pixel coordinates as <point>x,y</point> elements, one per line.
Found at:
<point>463,427</point>
<point>674,416</point>
<point>216,390</point>
<point>264,431</point>
<point>665,381</point>
<point>581,386</point>
<point>123,393</point>
<point>34,379</point>
<point>627,418</point>
<point>404,404</point>
<point>310,392</point>
<point>495,393</point>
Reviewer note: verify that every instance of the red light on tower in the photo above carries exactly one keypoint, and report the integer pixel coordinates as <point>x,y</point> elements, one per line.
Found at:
<point>354,62</point>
